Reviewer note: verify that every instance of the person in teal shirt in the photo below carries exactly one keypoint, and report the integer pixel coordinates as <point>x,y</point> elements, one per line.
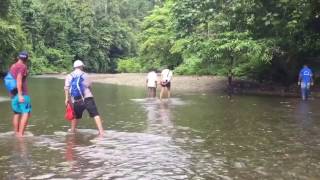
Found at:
<point>305,81</point>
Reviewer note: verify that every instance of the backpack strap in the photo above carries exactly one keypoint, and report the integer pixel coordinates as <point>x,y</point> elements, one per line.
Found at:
<point>82,95</point>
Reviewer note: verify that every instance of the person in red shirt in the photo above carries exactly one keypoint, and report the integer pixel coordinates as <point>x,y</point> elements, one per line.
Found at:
<point>20,101</point>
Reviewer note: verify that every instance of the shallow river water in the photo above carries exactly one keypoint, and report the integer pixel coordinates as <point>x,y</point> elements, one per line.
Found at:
<point>191,136</point>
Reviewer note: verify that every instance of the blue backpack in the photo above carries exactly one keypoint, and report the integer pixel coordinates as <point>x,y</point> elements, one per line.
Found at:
<point>10,82</point>
<point>77,86</point>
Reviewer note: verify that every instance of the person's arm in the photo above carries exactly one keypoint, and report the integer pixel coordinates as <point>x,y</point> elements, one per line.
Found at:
<point>66,101</point>
<point>311,77</point>
<point>19,87</point>
<point>66,90</point>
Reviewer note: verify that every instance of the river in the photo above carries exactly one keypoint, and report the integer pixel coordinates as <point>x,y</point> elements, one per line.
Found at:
<point>191,136</point>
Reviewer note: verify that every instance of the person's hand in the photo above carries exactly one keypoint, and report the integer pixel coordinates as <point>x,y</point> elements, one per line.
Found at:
<point>298,83</point>
<point>21,99</point>
<point>312,83</point>
<point>66,102</point>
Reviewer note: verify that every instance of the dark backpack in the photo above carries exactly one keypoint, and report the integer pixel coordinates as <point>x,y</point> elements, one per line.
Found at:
<point>77,86</point>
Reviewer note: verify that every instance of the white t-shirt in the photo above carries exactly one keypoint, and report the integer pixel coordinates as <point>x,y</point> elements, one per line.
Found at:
<point>166,75</point>
<point>152,79</point>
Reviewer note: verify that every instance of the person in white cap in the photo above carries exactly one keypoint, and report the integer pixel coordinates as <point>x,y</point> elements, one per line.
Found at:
<point>78,91</point>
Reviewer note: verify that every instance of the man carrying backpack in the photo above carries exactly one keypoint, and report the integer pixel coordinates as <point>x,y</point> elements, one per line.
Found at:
<point>20,101</point>
<point>78,91</point>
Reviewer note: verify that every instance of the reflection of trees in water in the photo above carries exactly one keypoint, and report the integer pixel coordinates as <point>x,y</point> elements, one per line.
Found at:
<point>159,117</point>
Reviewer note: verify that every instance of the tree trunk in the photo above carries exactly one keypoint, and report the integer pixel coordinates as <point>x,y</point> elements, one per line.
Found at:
<point>230,86</point>
<point>106,9</point>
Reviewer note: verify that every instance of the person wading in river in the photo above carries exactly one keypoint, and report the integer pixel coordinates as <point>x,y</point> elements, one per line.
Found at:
<point>78,90</point>
<point>151,83</point>
<point>20,101</point>
<point>305,81</point>
<point>165,82</point>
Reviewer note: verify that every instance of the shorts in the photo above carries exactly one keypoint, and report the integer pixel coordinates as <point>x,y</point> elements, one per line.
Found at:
<point>166,84</point>
<point>88,104</point>
<point>21,108</point>
<point>305,85</point>
<point>152,88</point>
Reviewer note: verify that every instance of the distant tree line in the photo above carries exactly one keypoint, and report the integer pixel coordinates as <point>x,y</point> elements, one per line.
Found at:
<point>58,32</point>
<point>265,40</point>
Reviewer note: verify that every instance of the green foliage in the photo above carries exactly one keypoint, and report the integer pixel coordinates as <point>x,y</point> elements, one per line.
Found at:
<point>12,37</point>
<point>58,32</point>
<point>157,39</point>
<point>191,65</point>
<point>129,65</point>
<point>239,37</point>
<point>41,65</point>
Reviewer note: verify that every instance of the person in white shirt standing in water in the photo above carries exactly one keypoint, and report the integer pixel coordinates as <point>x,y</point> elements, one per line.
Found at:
<point>166,76</point>
<point>78,89</point>
<point>151,82</point>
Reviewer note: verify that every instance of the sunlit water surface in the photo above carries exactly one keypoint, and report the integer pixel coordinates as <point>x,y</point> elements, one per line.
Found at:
<point>191,136</point>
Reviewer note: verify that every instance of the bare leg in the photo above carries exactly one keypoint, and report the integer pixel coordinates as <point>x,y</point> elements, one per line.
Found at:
<point>165,91</point>
<point>23,123</point>
<point>99,125</point>
<point>161,92</point>
<point>154,92</point>
<point>149,92</point>
<point>15,122</point>
<point>74,124</point>
<point>169,93</point>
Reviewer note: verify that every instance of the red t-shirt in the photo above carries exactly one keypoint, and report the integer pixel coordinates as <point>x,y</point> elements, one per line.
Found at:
<point>20,68</point>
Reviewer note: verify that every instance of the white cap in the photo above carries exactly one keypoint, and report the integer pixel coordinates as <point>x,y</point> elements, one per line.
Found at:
<point>77,63</point>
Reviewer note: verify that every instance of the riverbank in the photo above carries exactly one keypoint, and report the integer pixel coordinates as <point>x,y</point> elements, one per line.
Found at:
<point>196,84</point>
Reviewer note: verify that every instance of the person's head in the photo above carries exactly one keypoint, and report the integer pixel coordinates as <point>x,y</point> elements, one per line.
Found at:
<point>78,64</point>
<point>23,56</point>
<point>305,65</point>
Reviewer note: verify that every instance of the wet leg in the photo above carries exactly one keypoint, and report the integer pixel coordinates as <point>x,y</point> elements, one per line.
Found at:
<point>303,93</point>
<point>161,92</point>
<point>99,125</point>
<point>15,122</point>
<point>74,124</point>
<point>23,123</point>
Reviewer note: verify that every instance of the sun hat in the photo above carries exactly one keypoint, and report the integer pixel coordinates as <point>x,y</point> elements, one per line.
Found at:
<point>77,63</point>
<point>23,55</point>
